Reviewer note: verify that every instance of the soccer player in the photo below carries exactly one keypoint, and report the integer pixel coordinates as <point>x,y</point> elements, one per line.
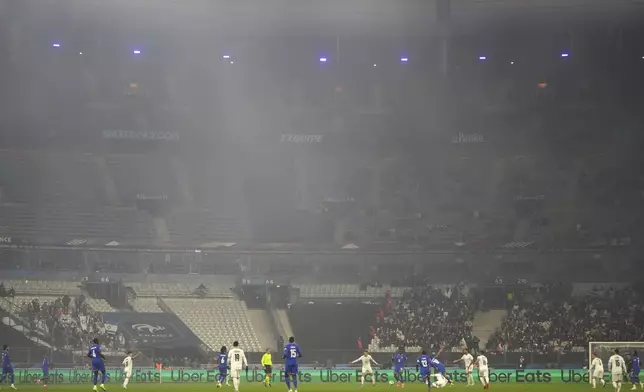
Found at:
<point>635,375</point>
<point>128,362</point>
<point>468,361</point>
<point>436,364</point>
<point>617,369</point>
<point>98,364</point>
<point>291,354</point>
<point>45,370</point>
<point>597,371</point>
<point>399,359</point>
<point>237,361</point>
<point>422,366</point>
<point>484,371</point>
<point>366,367</point>
<point>267,363</point>
<point>7,367</point>
<point>440,380</point>
<point>222,364</point>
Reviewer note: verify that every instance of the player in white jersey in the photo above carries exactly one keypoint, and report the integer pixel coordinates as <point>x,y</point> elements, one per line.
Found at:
<point>366,366</point>
<point>597,371</point>
<point>468,363</point>
<point>439,380</point>
<point>237,362</point>
<point>128,362</point>
<point>617,369</point>
<point>484,371</point>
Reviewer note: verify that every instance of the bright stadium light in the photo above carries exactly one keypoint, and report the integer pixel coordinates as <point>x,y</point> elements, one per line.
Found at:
<point>136,51</point>
<point>226,56</point>
<point>323,59</point>
<point>56,45</point>
<point>404,59</point>
<point>565,55</point>
<point>482,58</point>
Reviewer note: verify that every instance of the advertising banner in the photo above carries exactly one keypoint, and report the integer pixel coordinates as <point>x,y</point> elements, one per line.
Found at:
<point>151,330</point>
<point>150,375</point>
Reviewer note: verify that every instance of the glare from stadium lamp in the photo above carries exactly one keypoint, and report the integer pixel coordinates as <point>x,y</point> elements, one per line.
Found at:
<point>323,59</point>
<point>404,59</point>
<point>565,55</point>
<point>80,53</point>
<point>375,65</point>
<point>482,58</point>
<point>511,62</point>
<point>56,45</point>
<point>226,56</point>
<point>136,51</point>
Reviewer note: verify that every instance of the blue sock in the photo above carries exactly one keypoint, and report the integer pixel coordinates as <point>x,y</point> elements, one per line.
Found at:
<point>12,378</point>
<point>295,381</point>
<point>4,375</point>
<point>447,377</point>
<point>95,378</point>
<point>103,377</point>
<point>288,381</point>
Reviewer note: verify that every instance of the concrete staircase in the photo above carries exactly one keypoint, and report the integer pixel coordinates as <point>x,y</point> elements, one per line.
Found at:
<point>485,323</point>
<point>261,322</point>
<point>283,323</point>
<point>161,227</point>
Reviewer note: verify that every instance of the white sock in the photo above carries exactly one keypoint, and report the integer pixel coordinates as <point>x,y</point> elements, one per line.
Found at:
<point>236,383</point>
<point>482,379</point>
<point>594,382</point>
<point>487,380</point>
<point>470,379</point>
<point>126,381</point>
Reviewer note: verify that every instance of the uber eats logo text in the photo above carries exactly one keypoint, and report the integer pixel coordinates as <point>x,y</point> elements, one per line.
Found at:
<point>148,375</point>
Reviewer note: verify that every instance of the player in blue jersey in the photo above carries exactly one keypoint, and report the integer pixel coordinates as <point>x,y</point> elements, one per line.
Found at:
<point>222,364</point>
<point>7,367</point>
<point>398,361</point>
<point>291,354</point>
<point>635,371</point>
<point>98,364</point>
<point>439,366</point>
<point>45,370</point>
<point>423,364</point>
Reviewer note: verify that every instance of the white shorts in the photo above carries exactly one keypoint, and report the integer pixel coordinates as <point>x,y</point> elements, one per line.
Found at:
<point>468,370</point>
<point>235,372</point>
<point>617,377</point>
<point>484,372</point>
<point>440,381</point>
<point>367,370</point>
<point>598,373</point>
<point>127,373</point>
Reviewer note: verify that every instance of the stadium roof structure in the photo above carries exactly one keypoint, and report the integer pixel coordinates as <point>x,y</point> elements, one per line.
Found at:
<point>384,17</point>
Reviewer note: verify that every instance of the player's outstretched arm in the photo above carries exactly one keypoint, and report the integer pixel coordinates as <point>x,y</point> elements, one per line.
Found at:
<point>374,361</point>
<point>357,360</point>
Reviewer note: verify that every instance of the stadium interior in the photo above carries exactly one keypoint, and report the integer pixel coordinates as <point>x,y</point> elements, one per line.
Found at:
<point>426,175</point>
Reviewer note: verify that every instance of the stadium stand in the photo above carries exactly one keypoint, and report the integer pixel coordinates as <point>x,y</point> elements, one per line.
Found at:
<point>217,322</point>
<point>533,324</point>
<point>145,305</point>
<point>448,309</point>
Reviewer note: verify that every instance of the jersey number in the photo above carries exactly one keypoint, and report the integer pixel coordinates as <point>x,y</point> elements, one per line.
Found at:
<point>423,363</point>
<point>293,353</point>
<point>236,357</point>
<point>618,363</point>
<point>223,360</point>
<point>93,353</point>
<point>484,362</point>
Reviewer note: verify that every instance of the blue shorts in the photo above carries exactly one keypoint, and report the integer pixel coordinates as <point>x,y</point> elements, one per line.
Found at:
<point>45,372</point>
<point>291,369</point>
<point>399,370</point>
<point>424,375</point>
<point>7,369</point>
<point>441,369</point>
<point>98,366</point>
<point>223,371</point>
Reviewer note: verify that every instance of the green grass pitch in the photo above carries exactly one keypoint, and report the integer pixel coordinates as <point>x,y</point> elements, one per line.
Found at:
<point>174,387</point>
